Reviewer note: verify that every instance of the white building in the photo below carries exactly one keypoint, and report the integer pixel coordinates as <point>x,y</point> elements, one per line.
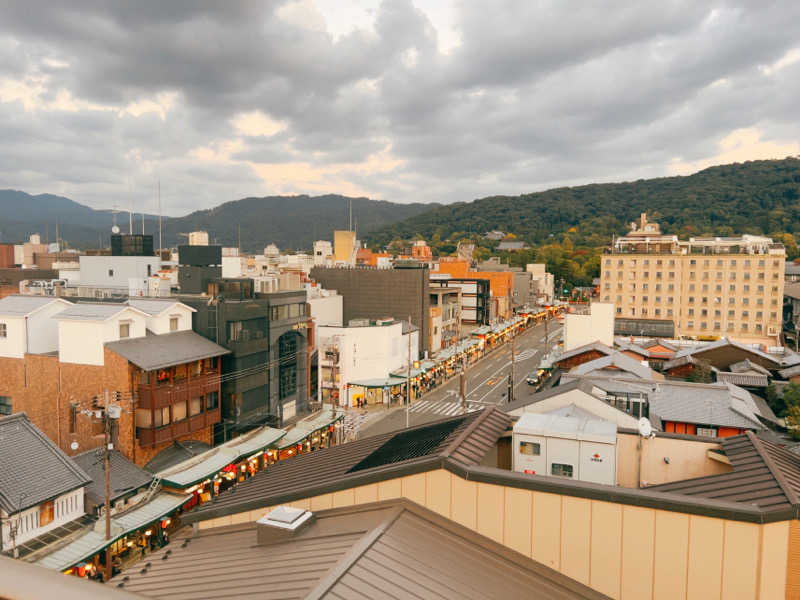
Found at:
<point>42,487</point>
<point>83,329</point>
<point>121,274</point>
<point>597,325</point>
<point>542,283</point>
<point>323,253</point>
<point>164,316</point>
<point>362,350</point>
<point>326,306</point>
<point>27,325</point>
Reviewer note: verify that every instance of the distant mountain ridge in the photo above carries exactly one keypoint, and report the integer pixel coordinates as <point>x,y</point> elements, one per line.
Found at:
<point>291,222</point>
<point>758,197</point>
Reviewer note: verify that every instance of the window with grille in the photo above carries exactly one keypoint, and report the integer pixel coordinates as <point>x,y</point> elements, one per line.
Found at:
<point>5,405</point>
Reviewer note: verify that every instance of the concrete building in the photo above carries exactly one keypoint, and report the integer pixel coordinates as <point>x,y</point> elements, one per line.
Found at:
<point>105,276</point>
<point>266,375</point>
<point>198,266</point>
<point>326,306</point>
<point>364,349</point>
<point>475,306</point>
<point>703,288</point>
<point>345,246</point>
<point>597,324</point>
<point>323,253</point>
<point>144,358</point>
<point>542,284</point>
<point>372,293</point>
<point>448,301</point>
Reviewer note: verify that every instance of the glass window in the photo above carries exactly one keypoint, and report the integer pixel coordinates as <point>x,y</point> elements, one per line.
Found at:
<point>3,330</point>
<point>530,448</point>
<point>5,405</point>
<point>179,411</point>
<point>212,400</point>
<point>707,431</point>
<point>561,470</point>
<point>195,406</point>
<point>173,323</point>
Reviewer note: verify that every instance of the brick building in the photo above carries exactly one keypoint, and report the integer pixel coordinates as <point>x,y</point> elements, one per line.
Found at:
<point>60,359</point>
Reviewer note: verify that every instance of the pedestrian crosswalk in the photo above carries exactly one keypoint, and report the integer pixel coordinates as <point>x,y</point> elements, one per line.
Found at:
<point>448,409</point>
<point>525,355</point>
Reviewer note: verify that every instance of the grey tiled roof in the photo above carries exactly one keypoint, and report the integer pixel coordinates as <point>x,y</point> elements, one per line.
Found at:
<point>25,305</point>
<point>154,306</point>
<point>597,346</point>
<point>125,476</point>
<point>93,312</point>
<point>616,360</point>
<point>176,453</point>
<point>160,351</point>
<point>32,468</point>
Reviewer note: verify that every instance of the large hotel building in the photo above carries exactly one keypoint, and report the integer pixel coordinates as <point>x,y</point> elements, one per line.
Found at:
<point>703,288</point>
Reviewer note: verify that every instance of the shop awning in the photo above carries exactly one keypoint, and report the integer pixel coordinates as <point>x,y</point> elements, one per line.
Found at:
<point>380,382</point>
<point>482,330</point>
<point>209,463</point>
<point>427,364</point>
<point>403,373</point>
<point>94,541</point>
<point>308,426</point>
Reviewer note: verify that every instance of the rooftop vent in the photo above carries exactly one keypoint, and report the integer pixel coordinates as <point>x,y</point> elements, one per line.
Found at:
<point>282,523</point>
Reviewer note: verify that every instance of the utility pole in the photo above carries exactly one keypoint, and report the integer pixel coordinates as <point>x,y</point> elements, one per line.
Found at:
<point>408,375</point>
<point>107,469</point>
<point>463,386</point>
<point>511,375</point>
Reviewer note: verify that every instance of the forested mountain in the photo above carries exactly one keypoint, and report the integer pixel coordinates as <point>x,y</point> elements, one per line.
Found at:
<point>567,226</point>
<point>291,222</point>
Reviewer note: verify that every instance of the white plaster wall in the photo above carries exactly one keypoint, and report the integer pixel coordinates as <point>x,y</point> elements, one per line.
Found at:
<point>67,507</point>
<point>580,330</point>
<point>327,311</point>
<point>94,270</point>
<point>159,324</point>
<point>43,328</point>
<point>80,342</point>
<point>13,345</point>
<point>232,266</point>
<point>587,402</point>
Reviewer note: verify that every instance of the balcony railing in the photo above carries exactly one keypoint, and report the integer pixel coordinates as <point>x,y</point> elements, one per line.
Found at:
<point>159,396</point>
<point>151,436</point>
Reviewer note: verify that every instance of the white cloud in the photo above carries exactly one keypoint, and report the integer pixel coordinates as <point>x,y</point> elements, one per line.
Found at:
<point>790,58</point>
<point>256,123</point>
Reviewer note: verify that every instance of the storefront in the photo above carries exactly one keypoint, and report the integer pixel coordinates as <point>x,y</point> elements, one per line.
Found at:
<point>321,431</point>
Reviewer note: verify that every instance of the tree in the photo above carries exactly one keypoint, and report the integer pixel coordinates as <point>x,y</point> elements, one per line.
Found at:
<point>791,395</point>
<point>775,402</point>
<point>793,421</point>
<point>701,373</point>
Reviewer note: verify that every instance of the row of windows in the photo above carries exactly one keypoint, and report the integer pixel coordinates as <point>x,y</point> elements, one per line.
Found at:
<point>657,312</point>
<point>703,301</point>
<point>180,411</point>
<point>692,275</point>
<point>632,262</point>
<point>745,289</point>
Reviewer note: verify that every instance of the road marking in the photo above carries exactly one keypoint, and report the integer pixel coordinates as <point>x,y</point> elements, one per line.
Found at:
<point>449,409</point>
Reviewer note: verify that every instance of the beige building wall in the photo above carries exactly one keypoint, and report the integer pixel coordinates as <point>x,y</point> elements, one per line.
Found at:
<point>344,246</point>
<point>685,459</point>
<point>623,551</point>
<point>738,296</point>
<point>598,325</point>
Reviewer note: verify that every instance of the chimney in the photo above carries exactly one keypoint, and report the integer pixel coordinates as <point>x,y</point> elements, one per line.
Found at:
<point>282,524</point>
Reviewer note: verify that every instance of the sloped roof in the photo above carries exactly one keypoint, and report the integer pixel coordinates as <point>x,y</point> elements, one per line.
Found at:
<point>615,361</point>
<point>176,453</point>
<point>34,469</point>
<point>389,549</point>
<point>90,311</point>
<point>467,442</point>
<point>764,474</point>
<point>792,290</point>
<point>724,352</point>
<point>155,306</point>
<point>23,306</point>
<point>151,352</point>
<point>594,346</point>
<point>747,365</point>
<point>125,475</point>
<point>745,379</point>
<point>715,404</point>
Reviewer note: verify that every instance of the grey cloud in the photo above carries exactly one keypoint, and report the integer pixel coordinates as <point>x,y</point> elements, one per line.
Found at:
<point>538,94</point>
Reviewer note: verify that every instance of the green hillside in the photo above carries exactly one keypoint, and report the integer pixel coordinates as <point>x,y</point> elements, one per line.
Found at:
<point>568,226</point>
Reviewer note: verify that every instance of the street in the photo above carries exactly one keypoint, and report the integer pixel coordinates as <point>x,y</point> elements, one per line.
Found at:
<point>487,383</point>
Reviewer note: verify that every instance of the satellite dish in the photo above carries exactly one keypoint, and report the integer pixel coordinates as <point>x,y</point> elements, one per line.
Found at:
<point>645,428</point>
<point>73,446</point>
<point>115,229</point>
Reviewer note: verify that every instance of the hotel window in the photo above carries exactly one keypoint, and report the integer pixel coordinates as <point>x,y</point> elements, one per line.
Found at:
<point>718,288</point>
<point>561,470</point>
<point>645,287</point>
<point>705,287</point>
<point>646,262</point>
<point>691,287</point>
<point>647,274</point>
<point>732,288</point>
<point>644,299</point>
<point>619,310</point>
<point>669,312</point>
<point>530,448</point>
<point>658,299</point>
<point>704,325</point>
<point>758,327</point>
<point>644,311</point>
<point>659,274</point>
<point>671,287</point>
<point>690,312</point>
<point>745,301</point>
<point>619,275</point>
<point>672,274</point>
<point>760,301</point>
<point>704,312</point>
<point>733,276</point>
<point>747,263</point>
<point>608,262</point>
<point>744,327</point>
<point>759,314</point>
<point>658,287</point>
<point>632,312</point>
<point>761,262</point>
<point>693,262</point>
<point>195,406</point>
<point>773,316</point>
<point>776,263</point>
<point>746,289</point>
<point>658,312</point>
<point>719,262</point>
<point>717,326</point>
<point>731,300</point>
<point>632,262</point>
<point>731,314</point>
<point>672,262</point>
<point>717,313</point>
<point>745,314</point>
<point>3,330</point>
<point>124,330</point>
<point>690,324</point>
<point>619,262</point>
<point>733,262</point>
<point>761,275</point>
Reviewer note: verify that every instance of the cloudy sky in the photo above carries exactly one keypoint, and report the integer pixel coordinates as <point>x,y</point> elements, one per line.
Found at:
<point>400,100</point>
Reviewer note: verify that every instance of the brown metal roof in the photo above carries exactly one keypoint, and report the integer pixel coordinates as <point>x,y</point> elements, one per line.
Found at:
<point>333,468</point>
<point>764,475</point>
<point>392,550</point>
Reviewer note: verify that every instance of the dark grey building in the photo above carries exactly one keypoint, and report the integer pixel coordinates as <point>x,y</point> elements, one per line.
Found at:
<point>265,379</point>
<point>197,267</point>
<point>372,293</point>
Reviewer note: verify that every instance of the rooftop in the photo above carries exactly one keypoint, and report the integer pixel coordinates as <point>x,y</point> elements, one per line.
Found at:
<point>44,474</point>
<point>152,352</point>
<point>154,306</point>
<point>764,474</point>
<point>389,549</point>
<point>464,440</point>
<point>90,311</point>
<point>23,306</point>
<point>125,475</point>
